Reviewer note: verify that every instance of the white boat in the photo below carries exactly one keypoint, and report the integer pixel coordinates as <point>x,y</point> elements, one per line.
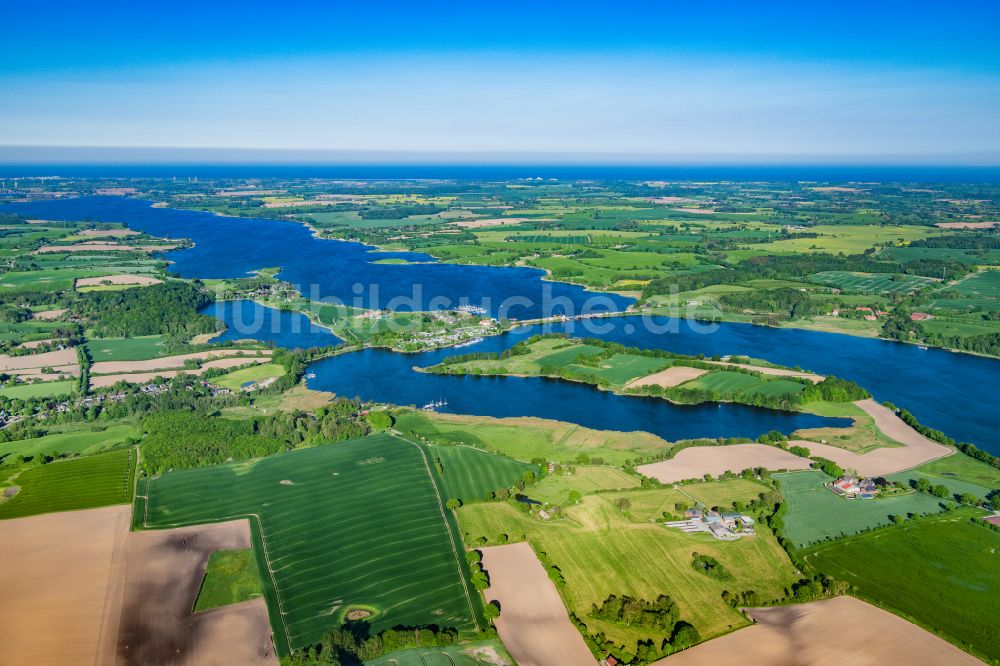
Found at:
<point>921,346</point>
<point>311,375</point>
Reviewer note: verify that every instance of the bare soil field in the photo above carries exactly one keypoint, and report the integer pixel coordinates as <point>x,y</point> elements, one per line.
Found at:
<point>143,280</point>
<point>108,233</point>
<point>161,575</point>
<point>696,461</point>
<point>36,373</point>
<point>48,315</point>
<point>100,381</point>
<point>533,624</point>
<point>829,632</point>
<point>775,372</point>
<point>33,344</point>
<point>55,575</point>
<point>672,376</point>
<point>916,449</point>
<point>966,225</point>
<point>168,362</point>
<point>61,357</point>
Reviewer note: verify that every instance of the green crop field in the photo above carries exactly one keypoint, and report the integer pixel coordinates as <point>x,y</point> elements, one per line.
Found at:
<point>469,473</point>
<point>28,330</point>
<point>815,513</point>
<point>970,257</point>
<point>600,552</point>
<point>39,389</point>
<point>44,280</point>
<point>78,483</point>
<point>942,571</point>
<point>75,440</point>
<point>725,382</point>
<point>238,378</point>
<point>544,238</point>
<point>984,284</point>
<point>875,283</point>
<point>126,349</point>
<point>778,387</point>
<point>355,524</point>
<point>232,576</point>
<point>622,368</point>
<point>567,356</point>
<point>958,473</point>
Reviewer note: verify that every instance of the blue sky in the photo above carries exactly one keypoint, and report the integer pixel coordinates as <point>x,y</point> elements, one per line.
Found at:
<point>640,82</point>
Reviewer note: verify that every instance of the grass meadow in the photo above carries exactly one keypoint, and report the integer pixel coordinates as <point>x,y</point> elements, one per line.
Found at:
<point>126,349</point>
<point>74,440</point>
<point>232,576</point>
<point>237,378</point>
<point>354,524</point>
<point>77,483</point>
<point>942,572</point>
<point>54,389</point>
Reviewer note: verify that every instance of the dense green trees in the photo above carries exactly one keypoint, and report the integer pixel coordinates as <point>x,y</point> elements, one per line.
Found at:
<point>352,644</point>
<point>170,308</point>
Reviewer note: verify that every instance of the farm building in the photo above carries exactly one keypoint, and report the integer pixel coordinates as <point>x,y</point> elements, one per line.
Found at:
<point>724,526</point>
<point>853,487</point>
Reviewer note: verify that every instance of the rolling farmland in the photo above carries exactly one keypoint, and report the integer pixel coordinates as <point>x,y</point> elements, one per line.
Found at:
<point>873,283</point>
<point>941,571</point>
<point>354,525</point>
<point>78,483</point>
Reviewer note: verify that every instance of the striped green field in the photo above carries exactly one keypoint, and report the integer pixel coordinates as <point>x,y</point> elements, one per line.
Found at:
<point>567,356</point>
<point>984,284</point>
<point>778,387</point>
<point>469,473</point>
<point>725,382</point>
<point>873,283</point>
<point>359,524</point>
<point>77,483</point>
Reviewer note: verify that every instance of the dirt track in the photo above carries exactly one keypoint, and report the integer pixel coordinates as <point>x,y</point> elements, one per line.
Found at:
<point>533,622</point>
<point>916,448</point>
<point>162,572</point>
<point>696,461</point>
<point>55,574</point>
<point>831,632</point>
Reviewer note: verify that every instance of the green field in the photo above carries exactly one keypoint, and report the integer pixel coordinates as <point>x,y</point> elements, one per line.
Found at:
<point>126,349</point>
<point>622,368</point>
<point>815,513</point>
<point>943,572</point>
<point>74,440</point>
<point>555,488</point>
<point>469,473</point>
<point>232,576</point>
<point>873,283</point>
<point>725,382</point>
<point>40,389</point>
<point>567,356</point>
<point>528,438</point>
<point>78,483</point>
<point>236,379</point>
<point>959,473</point>
<point>983,284</point>
<point>359,523</point>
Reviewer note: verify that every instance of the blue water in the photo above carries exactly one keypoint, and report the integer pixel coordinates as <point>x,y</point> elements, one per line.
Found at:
<point>386,376</point>
<point>247,319</point>
<point>494,172</point>
<point>227,247</point>
<point>955,393</point>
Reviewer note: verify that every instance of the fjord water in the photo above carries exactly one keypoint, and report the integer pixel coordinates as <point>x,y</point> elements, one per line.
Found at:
<point>952,392</point>
<point>246,319</point>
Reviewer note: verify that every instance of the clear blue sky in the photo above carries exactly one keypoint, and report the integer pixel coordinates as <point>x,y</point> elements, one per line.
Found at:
<point>659,81</point>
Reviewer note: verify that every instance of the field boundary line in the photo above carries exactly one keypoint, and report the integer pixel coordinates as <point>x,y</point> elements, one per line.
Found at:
<point>447,526</point>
